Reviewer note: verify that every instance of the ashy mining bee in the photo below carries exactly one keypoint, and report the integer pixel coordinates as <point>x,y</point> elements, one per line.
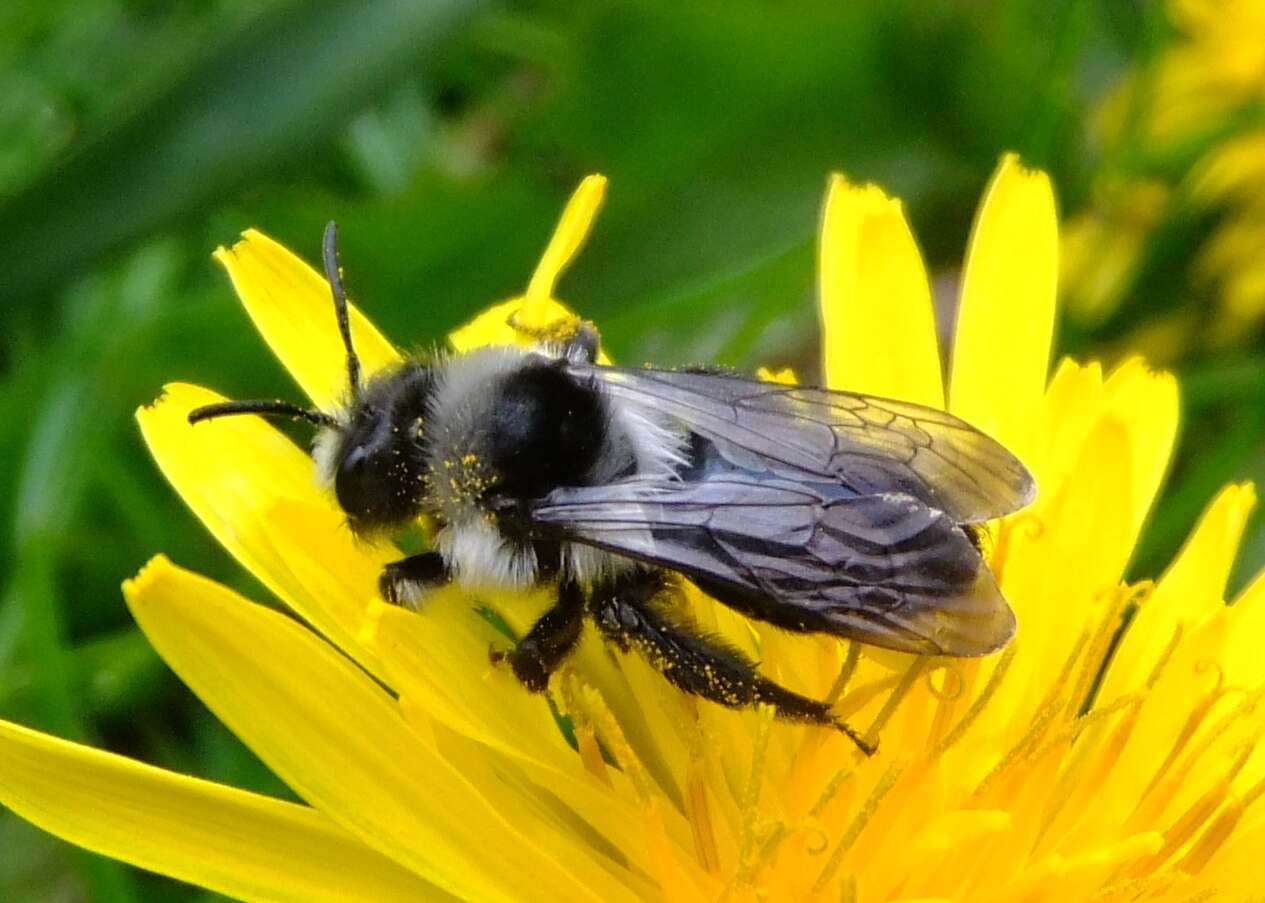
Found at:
<point>813,510</point>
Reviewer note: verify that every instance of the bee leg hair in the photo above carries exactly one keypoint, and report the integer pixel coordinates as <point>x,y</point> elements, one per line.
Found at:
<point>549,641</point>
<point>626,613</point>
<point>406,581</point>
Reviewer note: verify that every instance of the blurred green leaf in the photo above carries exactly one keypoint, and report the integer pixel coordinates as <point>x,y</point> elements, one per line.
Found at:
<point>267,96</point>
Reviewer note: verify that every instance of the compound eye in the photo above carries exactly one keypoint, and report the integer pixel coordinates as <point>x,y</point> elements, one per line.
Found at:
<point>377,486</point>
<point>361,487</point>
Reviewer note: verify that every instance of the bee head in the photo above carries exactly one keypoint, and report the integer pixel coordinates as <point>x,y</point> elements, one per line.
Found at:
<point>373,452</point>
<point>375,458</point>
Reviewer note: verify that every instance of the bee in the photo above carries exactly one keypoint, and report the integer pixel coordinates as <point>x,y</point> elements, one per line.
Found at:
<point>814,510</point>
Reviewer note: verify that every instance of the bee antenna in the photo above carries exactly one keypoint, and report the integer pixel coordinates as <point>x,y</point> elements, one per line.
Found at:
<point>334,273</point>
<point>265,408</point>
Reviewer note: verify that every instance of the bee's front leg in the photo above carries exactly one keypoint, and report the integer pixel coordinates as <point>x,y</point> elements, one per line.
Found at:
<point>406,582</point>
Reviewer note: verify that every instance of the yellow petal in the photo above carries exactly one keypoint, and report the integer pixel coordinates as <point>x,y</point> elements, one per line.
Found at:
<point>1073,404</point>
<point>331,733</point>
<point>878,326</point>
<point>1235,871</point>
<point>1191,590</point>
<point>438,659</point>
<point>1244,665</point>
<point>492,327</point>
<point>573,228</point>
<point>247,846</point>
<point>1148,402</point>
<point>1197,578</point>
<point>255,491</point>
<point>1005,325</point>
<point>537,309</point>
<point>576,803</point>
<point>293,310</point>
<point>1055,580</point>
<point>1144,401</point>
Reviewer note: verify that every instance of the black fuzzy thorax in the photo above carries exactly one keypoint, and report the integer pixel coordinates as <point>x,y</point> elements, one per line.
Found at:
<point>507,427</point>
<point>545,430</point>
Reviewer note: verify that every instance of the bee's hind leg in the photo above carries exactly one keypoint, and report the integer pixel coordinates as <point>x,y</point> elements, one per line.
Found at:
<point>626,613</point>
<point>549,641</point>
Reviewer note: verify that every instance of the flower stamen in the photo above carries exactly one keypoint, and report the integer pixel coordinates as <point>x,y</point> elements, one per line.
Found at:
<point>1100,645</point>
<point>587,744</point>
<point>947,695</point>
<point>831,789</point>
<point>1044,716</point>
<point>907,681</point>
<point>697,805</point>
<point>590,705</point>
<point>863,695</point>
<point>1033,528</point>
<point>981,701</point>
<point>846,670</point>
<point>859,821</point>
<point>751,793</point>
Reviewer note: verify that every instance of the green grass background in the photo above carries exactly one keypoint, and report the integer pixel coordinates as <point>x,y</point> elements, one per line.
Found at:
<point>444,137</point>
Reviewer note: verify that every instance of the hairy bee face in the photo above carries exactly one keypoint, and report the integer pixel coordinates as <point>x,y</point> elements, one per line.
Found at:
<point>378,464</point>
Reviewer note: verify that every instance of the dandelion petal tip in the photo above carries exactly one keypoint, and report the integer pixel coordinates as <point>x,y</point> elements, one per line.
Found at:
<point>149,574</point>
<point>149,407</point>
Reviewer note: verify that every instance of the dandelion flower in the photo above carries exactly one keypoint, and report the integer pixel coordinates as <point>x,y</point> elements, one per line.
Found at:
<point>1085,761</point>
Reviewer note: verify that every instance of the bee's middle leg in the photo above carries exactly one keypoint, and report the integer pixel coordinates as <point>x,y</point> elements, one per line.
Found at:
<point>549,641</point>
<point>702,665</point>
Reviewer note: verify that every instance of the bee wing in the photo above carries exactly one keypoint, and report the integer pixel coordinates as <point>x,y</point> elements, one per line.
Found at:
<point>883,569</point>
<point>870,445</point>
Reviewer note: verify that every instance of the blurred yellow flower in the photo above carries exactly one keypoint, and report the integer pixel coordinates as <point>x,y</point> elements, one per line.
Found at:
<point>1204,94</point>
<point>1075,765</point>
